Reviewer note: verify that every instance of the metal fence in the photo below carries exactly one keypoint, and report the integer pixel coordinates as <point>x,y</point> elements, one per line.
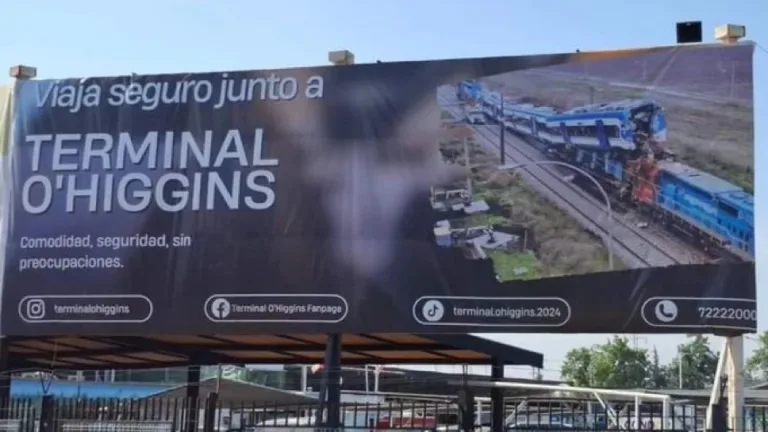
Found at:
<point>49,414</point>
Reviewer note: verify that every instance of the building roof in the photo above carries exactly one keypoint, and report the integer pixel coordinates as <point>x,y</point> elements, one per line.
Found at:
<point>234,392</point>
<point>32,387</point>
<point>751,395</point>
<point>130,352</point>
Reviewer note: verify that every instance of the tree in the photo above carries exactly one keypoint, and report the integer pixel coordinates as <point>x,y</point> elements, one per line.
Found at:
<point>658,377</point>
<point>756,366</point>
<point>699,365</point>
<point>617,365</point>
<point>576,367</point>
<point>614,364</point>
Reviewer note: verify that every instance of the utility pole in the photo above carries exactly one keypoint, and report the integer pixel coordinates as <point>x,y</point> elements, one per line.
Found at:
<point>304,374</point>
<point>680,366</point>
<point>502,137</point>
<point>219,373</point>
<point>463,133</point>
<point>466,165</point>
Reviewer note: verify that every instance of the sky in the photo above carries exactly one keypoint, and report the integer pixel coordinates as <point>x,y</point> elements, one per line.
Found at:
<point>78,38</point>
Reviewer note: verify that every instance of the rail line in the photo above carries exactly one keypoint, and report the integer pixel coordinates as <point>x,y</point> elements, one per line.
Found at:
<point>631,245</point>
<point>639,252</point>
<point>658,240</point>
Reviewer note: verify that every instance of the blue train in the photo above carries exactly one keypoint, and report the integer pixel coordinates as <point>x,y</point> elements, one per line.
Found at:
<point>629,125</point>
<point>621,143</point>
<point>716,213</point>
<point>469,91</point>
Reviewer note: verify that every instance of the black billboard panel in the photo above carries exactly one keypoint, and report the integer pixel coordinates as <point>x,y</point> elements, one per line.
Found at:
<point>599,192</point>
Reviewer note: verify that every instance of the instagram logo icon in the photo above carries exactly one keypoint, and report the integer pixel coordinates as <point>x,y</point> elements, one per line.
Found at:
<point>35,309</point>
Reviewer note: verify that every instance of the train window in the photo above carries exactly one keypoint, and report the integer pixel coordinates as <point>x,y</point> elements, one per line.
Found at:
<point>612,131</point>
<point>574,131</point>
<point>729,210</point>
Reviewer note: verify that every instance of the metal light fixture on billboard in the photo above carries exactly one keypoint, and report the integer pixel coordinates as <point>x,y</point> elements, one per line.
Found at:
<point>608,208</point>
<point>341,58</point>
<point>22,72</point>
<point>689,32</point>
<point>730,33</point>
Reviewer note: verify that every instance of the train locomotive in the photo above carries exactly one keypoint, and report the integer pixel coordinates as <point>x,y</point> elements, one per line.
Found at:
<point>622,145</point>
<point>469,91</point>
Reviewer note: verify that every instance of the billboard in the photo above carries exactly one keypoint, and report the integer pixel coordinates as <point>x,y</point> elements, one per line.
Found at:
<point>592,192</point>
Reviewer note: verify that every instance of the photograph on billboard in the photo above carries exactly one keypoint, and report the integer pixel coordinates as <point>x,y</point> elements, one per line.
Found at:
<point>595,150</point>
<point>592,192</point>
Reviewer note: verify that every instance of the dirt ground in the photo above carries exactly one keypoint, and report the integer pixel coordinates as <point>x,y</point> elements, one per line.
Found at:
<point>714,136</point>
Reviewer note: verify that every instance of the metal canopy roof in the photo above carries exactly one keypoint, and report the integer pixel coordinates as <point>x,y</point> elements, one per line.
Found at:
<point>237,392</point>
<point>131,352</point>
<point>751,395</point>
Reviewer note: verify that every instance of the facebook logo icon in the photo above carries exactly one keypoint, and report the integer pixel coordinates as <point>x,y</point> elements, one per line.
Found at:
<point>220,308</point>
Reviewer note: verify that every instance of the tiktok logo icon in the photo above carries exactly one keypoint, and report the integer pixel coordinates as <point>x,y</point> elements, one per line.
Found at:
<point>433,311</point>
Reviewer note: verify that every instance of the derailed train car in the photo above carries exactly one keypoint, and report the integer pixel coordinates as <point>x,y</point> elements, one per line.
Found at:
<point>621,144</point>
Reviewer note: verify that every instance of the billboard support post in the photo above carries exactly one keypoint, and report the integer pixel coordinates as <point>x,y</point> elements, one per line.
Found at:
<point>332,375</point>
<point>729,34</point>
<point>497,397</point>
<point>18,72</point>
<point>735,382</point>
<point>192,395</point>
<point>333,380</point>
<point>715,394</point>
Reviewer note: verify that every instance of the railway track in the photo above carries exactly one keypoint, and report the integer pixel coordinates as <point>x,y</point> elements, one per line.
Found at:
<point>636,248</point>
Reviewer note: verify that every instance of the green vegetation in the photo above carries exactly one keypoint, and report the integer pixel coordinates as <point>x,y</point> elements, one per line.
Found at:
<point>616,364</point>
<point>515,266</point>
<point>619,365</point>
<point>555,243</point>
<point>756,367</point>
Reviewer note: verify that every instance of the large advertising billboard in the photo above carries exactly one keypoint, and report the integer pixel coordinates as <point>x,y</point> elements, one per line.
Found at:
<point>575,193</point>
